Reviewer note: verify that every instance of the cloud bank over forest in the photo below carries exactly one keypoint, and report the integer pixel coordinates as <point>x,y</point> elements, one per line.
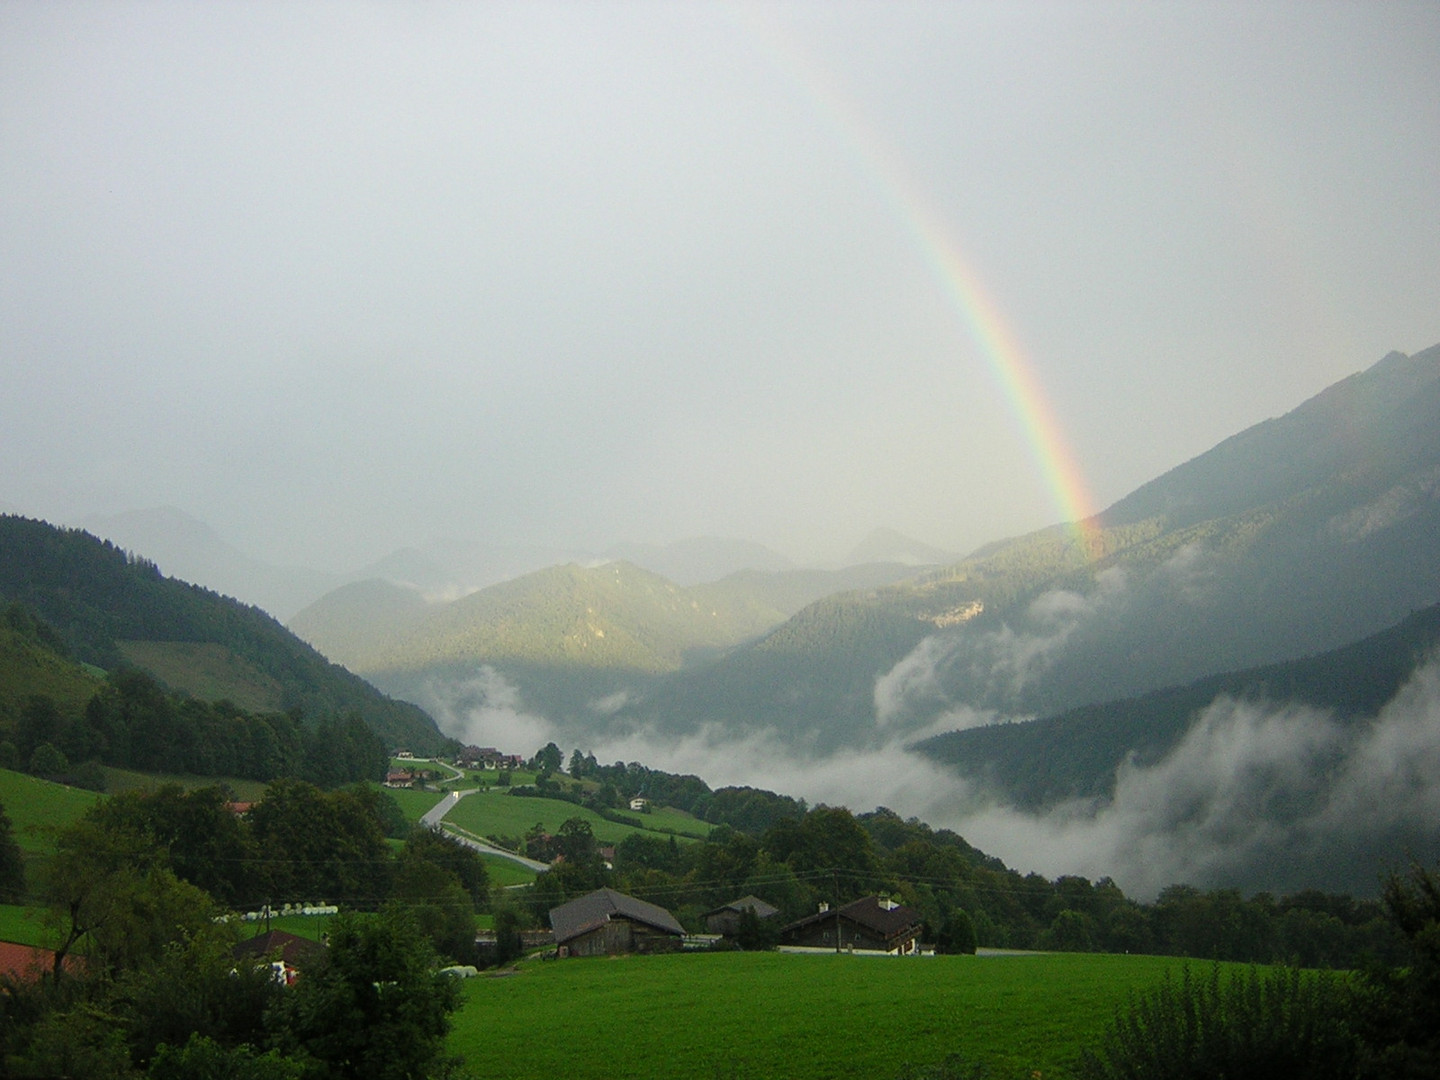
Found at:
<point>1270,792</point>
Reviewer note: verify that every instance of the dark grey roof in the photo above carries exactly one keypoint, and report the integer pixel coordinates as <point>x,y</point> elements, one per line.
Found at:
<point>761,909</point>
<point>869,913</point>
<point>595,909</point>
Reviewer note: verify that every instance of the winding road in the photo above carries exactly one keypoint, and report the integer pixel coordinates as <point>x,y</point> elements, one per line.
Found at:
<point>435,817</point>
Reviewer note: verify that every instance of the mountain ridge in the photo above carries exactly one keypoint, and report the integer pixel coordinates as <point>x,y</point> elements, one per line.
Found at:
<point>100,599</point>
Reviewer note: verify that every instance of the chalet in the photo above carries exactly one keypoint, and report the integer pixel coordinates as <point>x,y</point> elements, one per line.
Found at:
<point>639,803</point>
<point>400,778</point>
<point>867,925</point>
<point>725,920</point>
<point>605,922</point>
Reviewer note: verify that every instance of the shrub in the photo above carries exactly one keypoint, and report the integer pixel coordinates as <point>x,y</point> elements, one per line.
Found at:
<point>1253,1023</point>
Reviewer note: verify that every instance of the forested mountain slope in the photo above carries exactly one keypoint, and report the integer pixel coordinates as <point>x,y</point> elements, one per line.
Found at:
<point>1040,763</point>
<point>568,634</point>
<point>103,603</point>
<point>1294,537</point>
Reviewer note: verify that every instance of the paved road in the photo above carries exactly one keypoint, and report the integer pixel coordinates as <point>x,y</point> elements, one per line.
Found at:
<point>436,816</point>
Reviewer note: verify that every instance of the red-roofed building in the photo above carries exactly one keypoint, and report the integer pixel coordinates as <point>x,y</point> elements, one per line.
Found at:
<point>28,963</point>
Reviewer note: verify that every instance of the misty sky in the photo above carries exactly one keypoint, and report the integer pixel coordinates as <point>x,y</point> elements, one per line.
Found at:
<point>339,278</point>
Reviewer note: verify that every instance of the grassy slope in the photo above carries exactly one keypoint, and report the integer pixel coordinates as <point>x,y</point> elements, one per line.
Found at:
<point>495,814</point>
<point>503,873</point>
<point>207,671</point>
<point>96,597</point>
<point>27,667</point>
<point>778,1015</point>
<point>37,805</point>
<point>24,925</point>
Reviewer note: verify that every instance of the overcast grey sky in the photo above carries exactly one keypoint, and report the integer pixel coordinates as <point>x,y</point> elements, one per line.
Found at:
<point>338,278</point>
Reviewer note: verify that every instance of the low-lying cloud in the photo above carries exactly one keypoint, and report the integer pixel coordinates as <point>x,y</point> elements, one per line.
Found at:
<point>1064,645</point>
<point>1274,796</point>
<point>486,710</point>
<point>1280,797</point>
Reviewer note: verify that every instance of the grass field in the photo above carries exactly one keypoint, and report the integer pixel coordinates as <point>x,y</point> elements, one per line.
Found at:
<point>306,926</point>
<point>748,1016</point>
<point>495,814</point>
<point>36,806</point>
<point>414,804</point>
<point>118,781</point>
<point>21,924</point>
<point>504,872</point>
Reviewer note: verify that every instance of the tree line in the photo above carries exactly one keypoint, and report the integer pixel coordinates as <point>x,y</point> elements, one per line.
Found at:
<point>140,887</point>
<point>796,857</point>
<point>132,722</point>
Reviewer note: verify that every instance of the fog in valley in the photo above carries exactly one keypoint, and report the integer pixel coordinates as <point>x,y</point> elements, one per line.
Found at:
<point>1271,792</point>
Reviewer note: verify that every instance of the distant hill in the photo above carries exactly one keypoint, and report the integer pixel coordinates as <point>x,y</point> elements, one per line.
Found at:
<point>887,545</point>
<point>1294,537</point>
<point>190,550</point>
<point>111,608</point>
<point>700,559</point>
<point>568,635</point>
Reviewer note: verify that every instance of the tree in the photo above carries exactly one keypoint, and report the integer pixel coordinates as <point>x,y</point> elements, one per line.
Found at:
<point>320,845</point>
<point>1253,1023</point>
<point>462,862</point>
<point>202,1058</point>
<point>48,761</point>
<point>755,934</point>
<point>374,1008</point>
<point>1401,1020</point>
<point>110,888</point>
<point>548,758</point>
<point>440,906</point>
<point>206,844</point>
<point>442,881</point>
<point>12,863</point>
<point>957,935</point>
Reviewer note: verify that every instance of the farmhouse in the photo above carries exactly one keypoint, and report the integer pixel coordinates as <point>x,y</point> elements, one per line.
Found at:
<point>605,922</point>
<point>867,925</point>
<point>726,918</point>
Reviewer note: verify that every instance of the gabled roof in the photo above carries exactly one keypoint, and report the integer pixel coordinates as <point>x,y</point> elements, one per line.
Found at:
<point>870,913</point>
<point>596,909</point>
<point>761,909</point>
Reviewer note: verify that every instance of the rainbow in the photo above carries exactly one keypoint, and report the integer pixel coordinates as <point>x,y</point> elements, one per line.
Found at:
<point>953,274</point>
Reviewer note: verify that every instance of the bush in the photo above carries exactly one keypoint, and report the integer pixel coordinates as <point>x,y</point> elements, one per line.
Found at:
<point>1254,1023</point>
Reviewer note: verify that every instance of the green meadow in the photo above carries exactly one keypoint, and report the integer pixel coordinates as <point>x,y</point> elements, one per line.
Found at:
<point>495,814</point>
<point>503,872</point>
<point>773,1015</point>
<point>24,925</point>
<point>35,807</point>
<point>791,1015</point>
<point>414,804</point>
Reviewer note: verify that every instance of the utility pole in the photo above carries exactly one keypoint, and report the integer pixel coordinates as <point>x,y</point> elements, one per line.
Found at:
<point>835,881</point>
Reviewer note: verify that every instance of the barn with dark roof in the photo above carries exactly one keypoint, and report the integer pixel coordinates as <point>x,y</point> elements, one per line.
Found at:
<point>605,922</point>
